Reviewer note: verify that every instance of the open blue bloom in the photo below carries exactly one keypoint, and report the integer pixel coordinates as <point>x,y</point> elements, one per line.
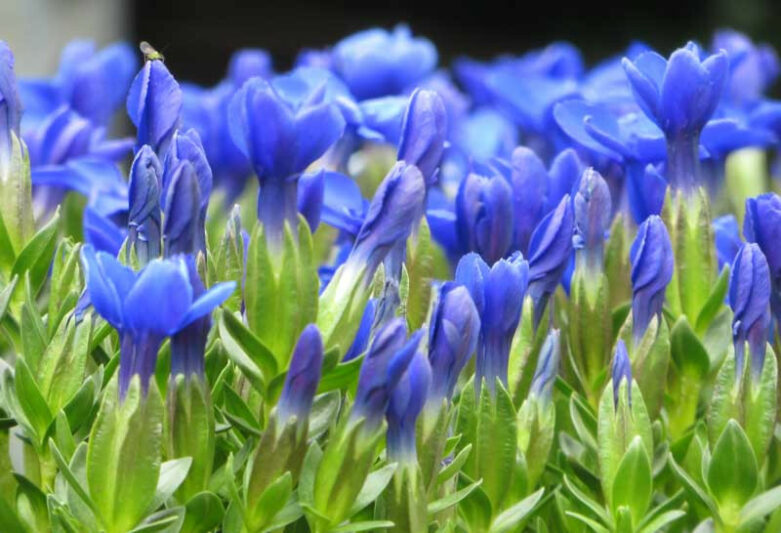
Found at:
<point>752,68</point>
<point>281,141</point>
<point>498,294</point>
<point>188,344</point>
<point>144,213</point>
<point>592,204</point>
<point>547,367</point>
<point>405,404</point>
<point>549,252</point>
<point>153,104</point>
<point>382,119</point>
<point>91,82</point>
<point>453,333</point>
<point>248,63</point>
<point>122,297</point>
<point>726,234</point>
<point>303,376</point>
<point>394,209</point>
<point>485,133</point>
<point>101,233</point>
<point>621,371</point>
<point>377,62</point>
<point>344,207</point>
<point>680,95</point>
<point>311,190</point>
<point>762,225</point>
<point>423,133</point>
<point>181,211</point>
<point>652,269</point>
<point>10,107</point>
<point>484,215</point>
<point>386,361</point>
<point>749,298</point>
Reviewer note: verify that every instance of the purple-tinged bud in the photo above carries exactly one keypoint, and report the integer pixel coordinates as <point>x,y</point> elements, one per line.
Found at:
<point>144,212</point>
<point>386,361</point>
<point>153,104</point>
<point>592,217</point>
<point>549,252</point>
<point>651,256</point>
<point>621,371</point>
<point>423,133</point>
<point>182,211</point>
<point>749,298</point>
<point>187,146</point>
<point>405,404</point>
<point>484,216</point>
<point>453,334</point>
<point>303,376</point>
<point>547,367</point>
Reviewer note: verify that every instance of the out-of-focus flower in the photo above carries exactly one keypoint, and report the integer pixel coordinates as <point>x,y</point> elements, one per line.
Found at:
<point>727,236</point>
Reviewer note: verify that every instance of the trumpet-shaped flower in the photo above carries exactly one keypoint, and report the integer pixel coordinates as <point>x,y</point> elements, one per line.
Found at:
<point>145,306</point>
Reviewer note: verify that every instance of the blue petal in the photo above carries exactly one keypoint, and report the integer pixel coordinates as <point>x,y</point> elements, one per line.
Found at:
<point>160,299</point>
<point>208,301</point>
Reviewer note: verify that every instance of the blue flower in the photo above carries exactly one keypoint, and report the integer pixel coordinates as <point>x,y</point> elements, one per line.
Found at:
<point>405,404</point>
<point>248,63</point>
<point>646,189</point>
<point>530,182</point>
<point>621,371</point>
<point>281,142</point>
<point>498,294</point>
<point>344,207</point>
<point>382,119</point>
<point>397,204</point>
<point>680,95</point>
<point>181,211</point>
<point>10,107</point>
<point>91,82</point>
<point>485,133</point>
<point>423,133</point>
<point>749,298</point>
<point>144,213</point>
<point>188,344</point>
<point>153,104</point>
<point>547,367</point>
<point>752,68</point>
<point>311,190</point>
<point>101,233</point>
<point>727,237</point>
<point>549,252</point>
<point>386,361</point>
<point>453,333</point>
<point>376,62</point>
<point>361,340</point>
<point>303,376</point>
<point>122,297</point>
<point>762,225</point>
<point>484,216</point>
<point>652,269</point>
<point>592,204</point>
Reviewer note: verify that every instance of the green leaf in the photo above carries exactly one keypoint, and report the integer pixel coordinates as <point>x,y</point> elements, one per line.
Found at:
<point>172,474</point>
<point>452,499</point>
<point>632,485</point>
<point>7,255</point>
<point>6,293</point>
<point>372,525</point>
<point>585,500</point>
<point>714,303</point>
<point>236,335</point>
<point>271,502</point>
<point>732,475</point>
<point>204,512</point>
<point>342,376</point>
<point>33,405</point>
<point>70,477</point>
<point>595,526</point>
<point>687,351</point>
<point>35,258</point>
<point>664,519</point>
<point>166,521</point>
<point>761,505</point>
<point>323,413</point>
<point>455,465</point>
<point>694,491</point>
<point>510,519</point>
<point>373,486</point>
<point>497,442</point>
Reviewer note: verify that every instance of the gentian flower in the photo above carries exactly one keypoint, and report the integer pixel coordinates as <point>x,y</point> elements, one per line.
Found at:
<point>281,142</point>
<point>144,212</point>
<point>752,68</point>
<point>248,63</point>
<point>406,402</point>
<point>153,104</point>
<point>498,293</point>
<point>592,205</point>
<point>680,96</point>
<point>484,215</point>
<point>530,182</point>
<point>91,82</point>
<point>303,376</point>
<point>485,133</point>
<point>189,342</point>
<point>762,225</point>
<point>122,297</point>
<point>181,215</point>
<point>621,371</point>
<point>547,367</point>
<point>651,256</point>
<point>311,191</point>
<point>101,233</point>
<point>423,133</point>
<point>727,236</point>
<point>361,340</point>
<point>377,63</point>
<point>453,333</point>
<point>10,109</point>
<point>386,361</point>
<point>749,298</point>
<point>549,252</point>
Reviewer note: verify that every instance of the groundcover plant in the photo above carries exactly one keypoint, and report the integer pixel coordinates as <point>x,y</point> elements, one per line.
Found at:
<point>377,294</point>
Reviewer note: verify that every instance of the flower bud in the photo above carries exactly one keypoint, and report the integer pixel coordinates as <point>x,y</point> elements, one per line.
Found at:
<point>651,256</point>
<point>303,376</point>
<point>423,133</point>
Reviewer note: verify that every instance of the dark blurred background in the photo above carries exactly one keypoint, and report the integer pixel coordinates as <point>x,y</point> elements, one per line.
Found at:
<point>197,36</point>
